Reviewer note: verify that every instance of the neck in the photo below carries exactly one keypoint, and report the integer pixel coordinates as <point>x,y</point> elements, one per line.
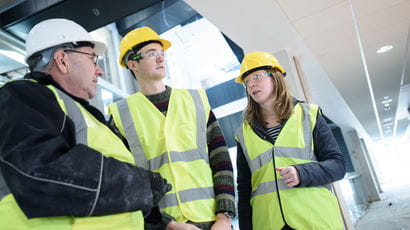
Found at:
<point>69,86</point>
<point>151,87</point>
<point>267,109</point>
<point>269,116</point>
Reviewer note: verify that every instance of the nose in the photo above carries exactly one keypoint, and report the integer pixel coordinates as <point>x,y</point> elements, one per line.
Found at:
<point>98,71</point>
<point>160,57</point>
<point>251,83</point>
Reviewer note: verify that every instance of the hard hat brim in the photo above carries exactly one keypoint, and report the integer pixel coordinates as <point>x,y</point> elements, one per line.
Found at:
<point>99,47</point>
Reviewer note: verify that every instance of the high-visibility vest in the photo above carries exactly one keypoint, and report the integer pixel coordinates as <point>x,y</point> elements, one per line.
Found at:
<point>175,146</point>
<point>303,207</point>
<point>94,134</point>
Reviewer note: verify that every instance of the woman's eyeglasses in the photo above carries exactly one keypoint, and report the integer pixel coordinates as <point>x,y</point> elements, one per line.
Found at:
<point>256,77</point>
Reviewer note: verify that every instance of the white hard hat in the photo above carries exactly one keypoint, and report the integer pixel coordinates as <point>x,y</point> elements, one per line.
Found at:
<point>53,32</point>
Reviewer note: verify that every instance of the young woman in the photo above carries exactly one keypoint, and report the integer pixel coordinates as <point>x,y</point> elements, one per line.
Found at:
<point>287,156</point>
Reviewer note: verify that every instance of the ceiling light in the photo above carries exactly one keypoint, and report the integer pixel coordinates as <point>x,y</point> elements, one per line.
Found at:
<point>387,119</point>
<point>384,49</point>
<point>387,101</point>
<point>388,124</point>
<point>13,55</point>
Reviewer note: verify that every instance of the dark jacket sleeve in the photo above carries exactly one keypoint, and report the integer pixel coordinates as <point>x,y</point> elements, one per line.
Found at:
<point>48,173</point>
<point>331,164</point>
<point>244,190</point>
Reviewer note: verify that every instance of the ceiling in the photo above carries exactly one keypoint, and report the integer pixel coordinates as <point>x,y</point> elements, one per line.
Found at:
<point>343,73</point>
<point>322,35</point>
<point>329,30</point>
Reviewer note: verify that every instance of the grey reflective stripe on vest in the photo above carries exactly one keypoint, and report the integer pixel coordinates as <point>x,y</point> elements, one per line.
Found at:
<point>73,111</point>
<point>156,162</point>
<point>307,132</point>
<point>131,134</point>
<point>200,121</point>
<point>170,199</point>
<point>269,186</point>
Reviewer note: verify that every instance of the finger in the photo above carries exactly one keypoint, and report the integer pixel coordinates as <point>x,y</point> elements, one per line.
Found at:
<point>290,183</point>
<point>286,170</point>
<point>285,174</point>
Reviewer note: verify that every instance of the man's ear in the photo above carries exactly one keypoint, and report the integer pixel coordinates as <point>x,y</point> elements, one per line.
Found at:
<point>132,65</point>
<point>61,61</point>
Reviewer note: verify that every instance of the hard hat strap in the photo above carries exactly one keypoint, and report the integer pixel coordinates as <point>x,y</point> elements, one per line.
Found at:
<point>41,59</point>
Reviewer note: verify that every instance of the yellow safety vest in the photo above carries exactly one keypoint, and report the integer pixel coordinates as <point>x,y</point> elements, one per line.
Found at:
<point>304,207</point>
<point>90,132</point>
<point>175,146</point>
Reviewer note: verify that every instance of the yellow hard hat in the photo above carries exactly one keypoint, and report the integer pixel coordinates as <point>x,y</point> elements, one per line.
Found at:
<point>255,60</point>
<point>138,36</point>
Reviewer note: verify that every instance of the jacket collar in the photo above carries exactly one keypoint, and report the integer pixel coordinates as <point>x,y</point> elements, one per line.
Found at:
<point>47,79</point>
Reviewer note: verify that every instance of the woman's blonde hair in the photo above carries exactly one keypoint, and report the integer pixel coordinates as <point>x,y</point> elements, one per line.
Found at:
<point>283,101</point>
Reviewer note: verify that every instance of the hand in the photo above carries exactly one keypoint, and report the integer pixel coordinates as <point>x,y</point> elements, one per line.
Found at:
<point>180,226</point>
<point>289,175</point>
<point>159,186</point>
<point>222,222</point>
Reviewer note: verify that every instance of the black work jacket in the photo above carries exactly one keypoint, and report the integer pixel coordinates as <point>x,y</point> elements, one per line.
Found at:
<point>329,168</point>
<point>41,163</point>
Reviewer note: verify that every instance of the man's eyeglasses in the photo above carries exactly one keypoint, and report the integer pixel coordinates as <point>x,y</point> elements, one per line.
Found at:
<point>93,56</point>
<point>256,77</point>
<point>151,54</point>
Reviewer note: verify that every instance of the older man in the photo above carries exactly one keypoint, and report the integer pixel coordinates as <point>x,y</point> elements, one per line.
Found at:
<point>62,166</point>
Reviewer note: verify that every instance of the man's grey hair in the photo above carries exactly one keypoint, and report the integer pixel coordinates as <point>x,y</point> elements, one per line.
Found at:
<point>43,60</point>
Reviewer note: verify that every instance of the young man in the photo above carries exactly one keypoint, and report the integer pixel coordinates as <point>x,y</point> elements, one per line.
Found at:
<point>62,166</point>
<point>178,135</point>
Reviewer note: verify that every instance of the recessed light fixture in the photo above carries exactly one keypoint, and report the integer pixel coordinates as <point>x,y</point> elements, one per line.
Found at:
<point>388,124</point>
<point>384,49</point>
<point>387,119</point>
<point>387,101</point>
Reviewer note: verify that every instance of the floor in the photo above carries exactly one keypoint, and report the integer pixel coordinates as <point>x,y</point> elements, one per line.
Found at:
<point>392,212</point>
